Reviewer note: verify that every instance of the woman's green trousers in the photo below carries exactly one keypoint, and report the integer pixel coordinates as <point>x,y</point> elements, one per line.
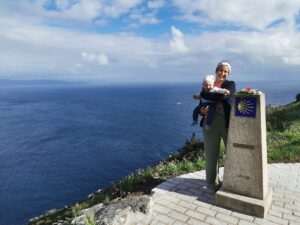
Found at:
<point>212,141</point>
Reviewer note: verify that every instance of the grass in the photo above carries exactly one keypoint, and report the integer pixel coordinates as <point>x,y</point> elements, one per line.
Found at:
<point>90,221</point>
<point>283,137</point>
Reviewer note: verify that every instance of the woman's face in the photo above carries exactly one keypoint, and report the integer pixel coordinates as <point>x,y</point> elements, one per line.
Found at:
<point>222,73</point>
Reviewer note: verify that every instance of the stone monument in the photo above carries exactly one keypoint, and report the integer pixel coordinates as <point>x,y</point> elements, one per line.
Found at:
<point>245,183</point>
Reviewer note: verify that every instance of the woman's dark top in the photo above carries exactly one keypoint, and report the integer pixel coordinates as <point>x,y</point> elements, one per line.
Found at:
<point>225,99</point>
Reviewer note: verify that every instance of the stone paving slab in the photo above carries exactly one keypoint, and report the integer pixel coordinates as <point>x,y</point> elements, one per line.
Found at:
<point>188,200</point>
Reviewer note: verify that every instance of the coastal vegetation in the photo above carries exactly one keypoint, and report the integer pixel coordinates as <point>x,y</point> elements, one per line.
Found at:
<point>283,126</point>
<point>283,138</point>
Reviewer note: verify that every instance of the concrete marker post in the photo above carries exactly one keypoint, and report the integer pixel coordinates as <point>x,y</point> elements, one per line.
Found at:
<point>245,183</point>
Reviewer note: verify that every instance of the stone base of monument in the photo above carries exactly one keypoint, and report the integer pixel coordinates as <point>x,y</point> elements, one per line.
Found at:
<point>243,204</point>
<point>245,182</point>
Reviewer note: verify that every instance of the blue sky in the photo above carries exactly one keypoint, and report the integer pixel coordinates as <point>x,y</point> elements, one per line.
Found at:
<point>149,41</point>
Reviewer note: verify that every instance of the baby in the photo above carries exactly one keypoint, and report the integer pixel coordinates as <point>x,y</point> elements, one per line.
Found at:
<point>207,86</point>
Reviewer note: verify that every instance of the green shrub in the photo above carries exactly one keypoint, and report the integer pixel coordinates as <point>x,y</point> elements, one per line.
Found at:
<point>281,118</point>
<point>283,126</point>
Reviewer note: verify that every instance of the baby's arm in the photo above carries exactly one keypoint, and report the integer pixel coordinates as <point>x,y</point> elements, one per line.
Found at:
<point>220,91</point>
<point>197,96</point>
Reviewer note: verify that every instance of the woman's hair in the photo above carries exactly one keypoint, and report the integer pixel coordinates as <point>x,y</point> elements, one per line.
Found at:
<point>209,78</point>
<point>224,63</point>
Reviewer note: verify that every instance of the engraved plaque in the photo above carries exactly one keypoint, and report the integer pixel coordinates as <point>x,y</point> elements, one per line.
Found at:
<point>238,145</point>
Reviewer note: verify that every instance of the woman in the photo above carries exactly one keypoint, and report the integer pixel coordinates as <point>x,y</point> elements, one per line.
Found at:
<point>219,127</point>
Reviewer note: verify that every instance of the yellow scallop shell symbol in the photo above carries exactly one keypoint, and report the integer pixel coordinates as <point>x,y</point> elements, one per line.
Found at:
<point>245,106</point>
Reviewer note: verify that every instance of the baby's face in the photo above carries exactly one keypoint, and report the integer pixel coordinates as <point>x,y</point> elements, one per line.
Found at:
<point>208,86</point>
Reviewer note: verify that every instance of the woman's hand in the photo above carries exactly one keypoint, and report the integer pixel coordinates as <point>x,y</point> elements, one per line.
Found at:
<point>226,92</point>
<point>204,110</point>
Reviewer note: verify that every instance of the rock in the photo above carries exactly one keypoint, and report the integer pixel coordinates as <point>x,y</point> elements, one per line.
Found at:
<point>123,211</point>
<point>90,212</point>
<point>128,211</point>
<point>80,220</point>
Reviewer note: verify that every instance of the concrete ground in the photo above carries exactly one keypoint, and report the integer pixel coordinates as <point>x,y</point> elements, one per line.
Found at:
<point>188,200</point>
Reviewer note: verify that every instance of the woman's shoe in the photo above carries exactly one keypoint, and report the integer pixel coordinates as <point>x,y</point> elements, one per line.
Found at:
<point>218,186</point>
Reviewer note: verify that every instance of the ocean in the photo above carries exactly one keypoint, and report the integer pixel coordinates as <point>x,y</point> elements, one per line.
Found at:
<point>59,143</point>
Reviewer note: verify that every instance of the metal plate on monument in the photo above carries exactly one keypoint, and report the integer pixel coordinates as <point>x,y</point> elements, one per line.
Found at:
<point>245,106</point>
<point>245,146</point>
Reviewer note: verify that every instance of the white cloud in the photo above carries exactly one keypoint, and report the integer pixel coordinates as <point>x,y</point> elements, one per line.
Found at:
<point>119,7</point>
<point>146,15</point>
<point>90,57</point>
<point>177,43</point>
<point>100,12</point>
<point>101,58</point>
<point>63,4</point>
<point>144,18</point>
<point>246,13</point>
<point>291,60</point>
<point>34,49</point>
<point>83,11</point>
<point>78,65</point>
<point>31,48</point>
<point>155,4</point>
<point>60,10</point>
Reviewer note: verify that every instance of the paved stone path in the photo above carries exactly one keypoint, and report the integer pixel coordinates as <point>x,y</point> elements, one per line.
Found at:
<point>188,200</point>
